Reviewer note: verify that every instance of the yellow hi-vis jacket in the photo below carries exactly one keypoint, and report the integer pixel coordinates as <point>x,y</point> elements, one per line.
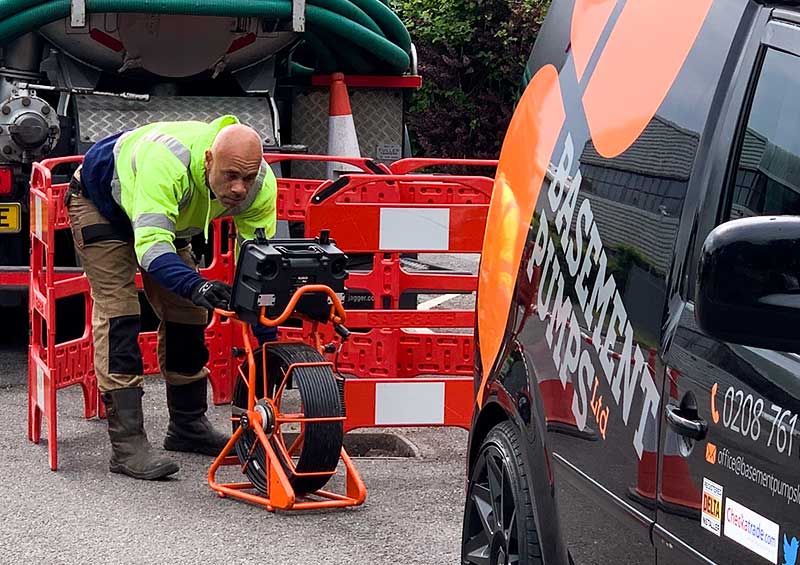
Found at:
<point>160,183</point>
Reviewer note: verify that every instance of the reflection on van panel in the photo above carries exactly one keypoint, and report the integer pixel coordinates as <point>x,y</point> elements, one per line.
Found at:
<point>768,178</point>
<point>636,197</point>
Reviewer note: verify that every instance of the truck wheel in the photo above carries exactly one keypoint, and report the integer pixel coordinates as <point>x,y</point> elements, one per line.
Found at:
<point>499,527</point>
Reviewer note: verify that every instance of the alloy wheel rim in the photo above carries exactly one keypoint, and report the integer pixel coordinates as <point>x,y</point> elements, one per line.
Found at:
<point>491,529</point>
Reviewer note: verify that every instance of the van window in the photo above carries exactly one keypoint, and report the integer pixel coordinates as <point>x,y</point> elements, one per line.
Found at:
<point>767,179</point>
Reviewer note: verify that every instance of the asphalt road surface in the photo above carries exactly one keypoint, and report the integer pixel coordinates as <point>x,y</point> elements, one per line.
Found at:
<point>82,513</point>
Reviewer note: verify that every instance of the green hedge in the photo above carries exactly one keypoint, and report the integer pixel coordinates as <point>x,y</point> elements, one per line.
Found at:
<point>472,57</point>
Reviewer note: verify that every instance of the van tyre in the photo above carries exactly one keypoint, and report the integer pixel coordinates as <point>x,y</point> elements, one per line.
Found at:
<point>499,526</point>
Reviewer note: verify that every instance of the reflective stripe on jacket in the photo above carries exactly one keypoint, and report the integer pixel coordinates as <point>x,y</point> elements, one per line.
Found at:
<point>159,182</point>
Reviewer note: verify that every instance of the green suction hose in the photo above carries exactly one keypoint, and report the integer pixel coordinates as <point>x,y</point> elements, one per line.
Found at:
<point>388,21</point>
<point>342,51</point>
<point>386,51</point>
<point>349,11</point>
<point>352,36</point>
<point>325,57</point>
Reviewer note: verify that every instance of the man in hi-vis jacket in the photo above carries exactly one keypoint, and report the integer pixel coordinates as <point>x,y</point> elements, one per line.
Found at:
<point>136,202</point>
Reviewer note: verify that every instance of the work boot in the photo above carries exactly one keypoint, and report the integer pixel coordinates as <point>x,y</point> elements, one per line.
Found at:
<point>189,429</point>
<point>132,454</point>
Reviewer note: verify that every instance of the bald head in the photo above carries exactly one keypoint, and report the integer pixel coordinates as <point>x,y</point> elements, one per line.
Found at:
<point>232,163</point>
<point>237,138</point>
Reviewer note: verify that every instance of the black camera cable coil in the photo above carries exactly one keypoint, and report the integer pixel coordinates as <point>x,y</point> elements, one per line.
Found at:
<point>320,396</point>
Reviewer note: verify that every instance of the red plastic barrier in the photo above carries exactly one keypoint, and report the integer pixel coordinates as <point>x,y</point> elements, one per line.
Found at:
<point>53,366</point>
<point>411,164</point>
<point>16,277</point>
<point>397,377</point>
<point>387,222</point>
<point>439,184</point>
<point>401,377</point>
<point>294,194</point>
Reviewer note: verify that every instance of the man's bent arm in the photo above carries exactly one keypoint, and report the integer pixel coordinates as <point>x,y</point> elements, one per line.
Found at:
<point>153,209</point>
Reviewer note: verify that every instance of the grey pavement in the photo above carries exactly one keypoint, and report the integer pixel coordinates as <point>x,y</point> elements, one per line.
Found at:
<point>82,513</point>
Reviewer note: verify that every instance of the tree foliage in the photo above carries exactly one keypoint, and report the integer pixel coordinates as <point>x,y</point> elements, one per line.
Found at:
<point>472,55</point>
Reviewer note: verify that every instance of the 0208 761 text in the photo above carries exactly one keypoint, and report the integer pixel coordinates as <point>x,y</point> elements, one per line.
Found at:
<point>743,413</point>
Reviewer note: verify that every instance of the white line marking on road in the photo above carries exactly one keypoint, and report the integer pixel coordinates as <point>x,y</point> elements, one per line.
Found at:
<point>433,302</point>
<point>429,305</point>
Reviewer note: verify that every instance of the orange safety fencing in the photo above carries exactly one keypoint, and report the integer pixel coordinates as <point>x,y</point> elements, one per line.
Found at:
<point>399,371</point>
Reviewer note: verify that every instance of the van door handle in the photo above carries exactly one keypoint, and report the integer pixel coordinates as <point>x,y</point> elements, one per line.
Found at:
<point>685,420</point>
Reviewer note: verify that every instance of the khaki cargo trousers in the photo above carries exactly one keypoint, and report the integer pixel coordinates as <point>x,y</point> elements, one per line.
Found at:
<point>108,259</point>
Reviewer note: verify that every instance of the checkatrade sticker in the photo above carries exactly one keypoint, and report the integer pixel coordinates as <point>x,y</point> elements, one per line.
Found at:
<point>751,530</point>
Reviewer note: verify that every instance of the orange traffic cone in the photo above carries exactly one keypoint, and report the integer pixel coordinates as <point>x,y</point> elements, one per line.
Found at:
<point>646,473</point>
<point>678,493</point>
<point>342,139</point>
<point>557,401</point>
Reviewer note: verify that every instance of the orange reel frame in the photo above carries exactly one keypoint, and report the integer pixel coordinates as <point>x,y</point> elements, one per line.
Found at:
<point>280,494</point>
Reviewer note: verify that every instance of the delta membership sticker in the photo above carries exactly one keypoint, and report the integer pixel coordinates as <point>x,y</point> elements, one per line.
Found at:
<point>711,518</point>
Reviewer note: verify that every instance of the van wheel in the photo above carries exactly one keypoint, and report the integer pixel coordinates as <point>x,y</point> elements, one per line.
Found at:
<point>499,527</point>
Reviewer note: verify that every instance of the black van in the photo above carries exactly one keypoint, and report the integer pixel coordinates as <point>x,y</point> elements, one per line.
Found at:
<point>637,377</point>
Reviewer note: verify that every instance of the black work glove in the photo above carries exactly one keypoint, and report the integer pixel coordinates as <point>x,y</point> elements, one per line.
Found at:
<point>212,294</point>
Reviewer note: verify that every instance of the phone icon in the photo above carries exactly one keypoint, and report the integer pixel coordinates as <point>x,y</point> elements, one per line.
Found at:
<point>714,411</point>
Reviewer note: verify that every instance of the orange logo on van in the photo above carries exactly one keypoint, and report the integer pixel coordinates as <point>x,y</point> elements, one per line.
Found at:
<point>526,152</point>
<point>640,61</point>
<point>589,18</point>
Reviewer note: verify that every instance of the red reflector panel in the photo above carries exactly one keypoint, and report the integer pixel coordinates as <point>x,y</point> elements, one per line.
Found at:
<point>6,180</point>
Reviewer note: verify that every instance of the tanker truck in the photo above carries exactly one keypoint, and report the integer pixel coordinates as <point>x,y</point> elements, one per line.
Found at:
<point>75,71</point>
